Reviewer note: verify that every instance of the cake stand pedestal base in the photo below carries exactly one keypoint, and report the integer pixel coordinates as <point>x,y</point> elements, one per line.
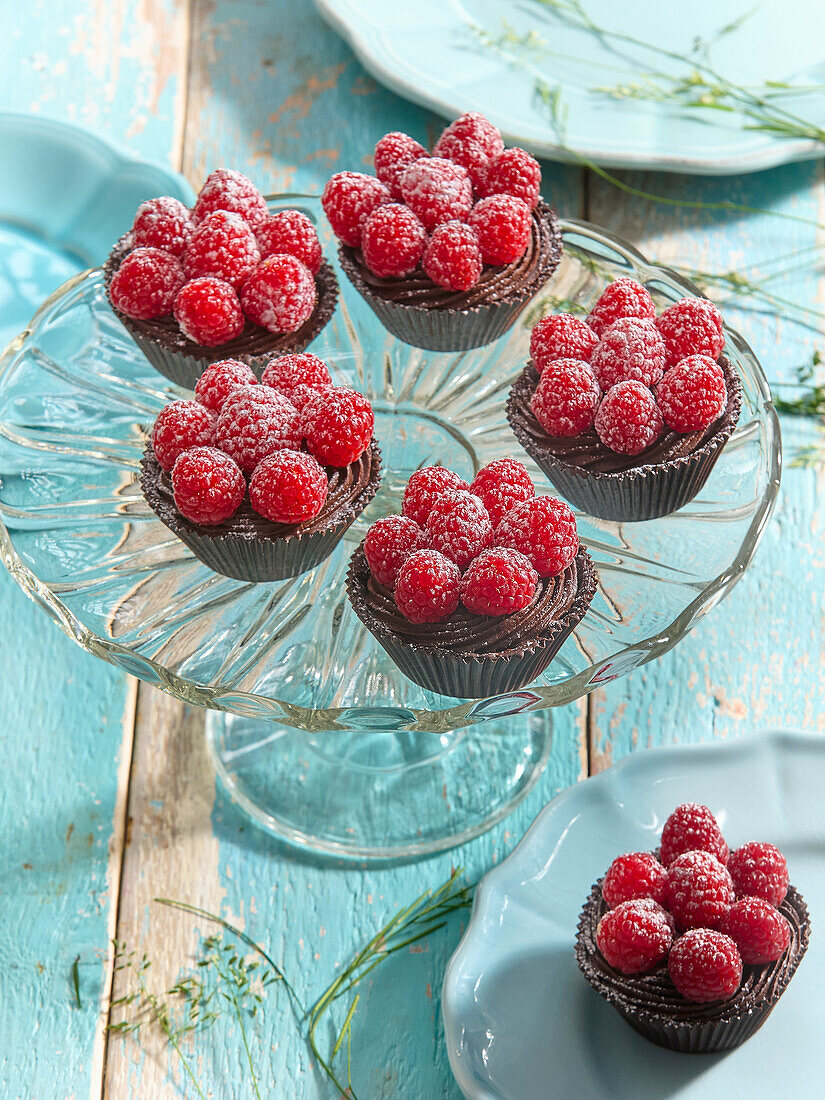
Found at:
<point>378,794</point>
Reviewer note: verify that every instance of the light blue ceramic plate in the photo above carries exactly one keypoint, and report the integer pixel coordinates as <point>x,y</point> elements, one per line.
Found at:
<point>65,196</point>
<point>521,1021</point>
<point>429,53</point>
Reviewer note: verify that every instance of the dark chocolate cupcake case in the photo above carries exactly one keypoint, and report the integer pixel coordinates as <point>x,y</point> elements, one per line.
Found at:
<point>652,1006</point>
<point>655,483</point>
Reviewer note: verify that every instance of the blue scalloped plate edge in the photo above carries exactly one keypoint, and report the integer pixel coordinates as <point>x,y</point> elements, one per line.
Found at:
<point>765,151</point>
<point>66,194</point>
<point>517,867</point>
<point>121,162</point>
<point>105,145</point>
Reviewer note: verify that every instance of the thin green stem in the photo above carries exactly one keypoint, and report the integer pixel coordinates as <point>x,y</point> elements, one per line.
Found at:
<point>345,1027</point>
<point>206,915</point>
<point>758,104</point>
<point>160,1014</point>
<point>176,1047</point>
<point>76,981</point>
<point>239,1015</point>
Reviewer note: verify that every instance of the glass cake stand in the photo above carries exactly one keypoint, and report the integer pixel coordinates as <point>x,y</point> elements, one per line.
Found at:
<point>312,729</point>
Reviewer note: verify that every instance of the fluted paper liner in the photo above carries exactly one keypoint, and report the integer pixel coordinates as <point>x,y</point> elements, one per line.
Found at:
<point>714,1027</point>
<point>474,676</point>
<point>648,491</point>
<point>183,362</point>
<point>256,558</point>
<point>454,329</point>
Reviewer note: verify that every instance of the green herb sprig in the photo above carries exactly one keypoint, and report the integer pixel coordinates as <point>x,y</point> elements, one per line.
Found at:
<point>702,87</point>
<point>224,983</point>
<point>426,915</point>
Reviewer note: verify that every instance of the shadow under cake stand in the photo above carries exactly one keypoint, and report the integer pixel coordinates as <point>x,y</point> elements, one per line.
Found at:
<point>311,727</point>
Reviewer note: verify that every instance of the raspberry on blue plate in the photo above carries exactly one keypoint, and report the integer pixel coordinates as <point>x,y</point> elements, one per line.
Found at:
<point>675,941</point>
<point>474,589</point>
<point>258,488</point>
<point>446,247</point>
<point>627,412</point>
<point>224,275</point>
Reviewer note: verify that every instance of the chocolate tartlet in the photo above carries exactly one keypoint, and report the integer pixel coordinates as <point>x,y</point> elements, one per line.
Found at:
<point>421,313</point>
<point>249,547</point>
<point>659,481</point>
<point>472,656</point>
<point>182,361</point>
<point>652,1005</point>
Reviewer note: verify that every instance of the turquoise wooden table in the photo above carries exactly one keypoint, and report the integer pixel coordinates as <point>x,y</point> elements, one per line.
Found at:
<point>106,797</point>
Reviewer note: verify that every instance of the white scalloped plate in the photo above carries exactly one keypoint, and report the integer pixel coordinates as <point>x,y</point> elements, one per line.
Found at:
<point>523,1024</point>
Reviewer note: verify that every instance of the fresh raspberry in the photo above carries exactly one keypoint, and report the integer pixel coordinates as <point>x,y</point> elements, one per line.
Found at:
<point>502,224</point>
<point>162,223</point>
<point>459,527</point>
<point>425,487</point>
<point>561,336</point>
<point>473,141</point>
<point>288,487</point>
<point>635,936</point>
<point>208,312</point>
<point>760,932</point>
<point>759,871</point>
<point>389,543</point>
<point>452,258</point>
<point>223,247</point>
<point>348,198</point>
<point>623,298</point>
<point>179,426</point>
<point>692,326</point>
<point>291,232</point>
<point>226,189</point>
<point>254,422</point>
<point>513,172</point>
<point>393,153</point>
<point>146,284</point>
<point>207,485</point>
<point>500,485</point>
<point>219,379</point>
<point>436,190</point>
<point>337,425</point>
<point>705,966</point>
<point>634,875</point>
<point>498,582</point>
<point>427,587</point>
<point>690,828</point>
<point>566,397</point>
<point>692,394</point>
<point>628,419</point>
<point>298,377</point>
<point>280,295</point>
<point>392,241</point>
<point>630,350</point>
<point>698,891</point>
<point>544,530</point>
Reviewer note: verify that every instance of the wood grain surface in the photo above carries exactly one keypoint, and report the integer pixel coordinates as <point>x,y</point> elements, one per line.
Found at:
<point>105,804</point>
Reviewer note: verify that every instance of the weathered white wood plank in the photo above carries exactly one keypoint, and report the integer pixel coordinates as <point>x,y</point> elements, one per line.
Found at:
<point>170,851</point>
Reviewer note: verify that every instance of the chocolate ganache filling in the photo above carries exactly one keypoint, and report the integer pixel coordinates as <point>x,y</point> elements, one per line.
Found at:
<point>466,633</point>
<point>252,341</point>
<point>587,452</point>
<point>496,284</point>
<point>350,490</point>
<point>655,994</point>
